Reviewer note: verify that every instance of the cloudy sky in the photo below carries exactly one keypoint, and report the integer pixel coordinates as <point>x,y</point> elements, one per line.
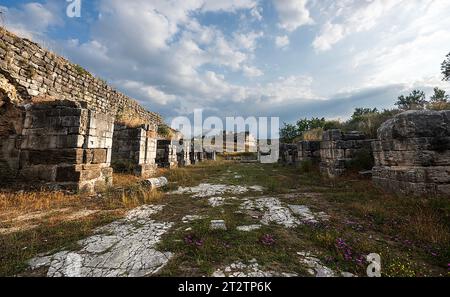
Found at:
<point>287,58</point>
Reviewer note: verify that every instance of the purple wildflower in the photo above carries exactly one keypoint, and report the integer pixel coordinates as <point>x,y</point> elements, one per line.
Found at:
<point>267,240</point>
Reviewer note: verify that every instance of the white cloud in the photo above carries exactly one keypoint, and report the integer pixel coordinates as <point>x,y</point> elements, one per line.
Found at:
<point>250,71</point>
<point>248,40</point>
<point>147,91</point>
<point>330,34</point>
<point>292,14</point>
<point>357,16</point>
<point>256,12</point>
<point>282,41</point>
<point>32,20</point>
<point>228,5</point>
<point>411,52</point>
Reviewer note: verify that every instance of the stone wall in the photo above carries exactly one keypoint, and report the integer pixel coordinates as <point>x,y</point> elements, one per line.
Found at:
<point>308,151</point>
<point>67,145</point>
<point>338,149</point>
<point>288,154</point>
<point>412,154</point>
<point>166,154</point>
<point>36,72</point>
<point>134,149</point>
<point>183,153</point>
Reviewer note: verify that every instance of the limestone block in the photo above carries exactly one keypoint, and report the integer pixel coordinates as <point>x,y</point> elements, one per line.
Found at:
<point>416,124</point>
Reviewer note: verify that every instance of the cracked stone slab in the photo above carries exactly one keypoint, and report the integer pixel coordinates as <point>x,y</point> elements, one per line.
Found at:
<point>123,248</point>
<point>274,211</point>
<point>253,269</point>
<point>210,190</point>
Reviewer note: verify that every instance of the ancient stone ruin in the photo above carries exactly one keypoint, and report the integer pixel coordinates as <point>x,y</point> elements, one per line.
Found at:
<point>288,154</point>
<point>338,150</point>
<point>63,127</point>
<point>166,154</point>
<point>308,151</point>
<point>65,144</point>
<point>183,153</point>
<point>134,149</point>
<point>412,153</point>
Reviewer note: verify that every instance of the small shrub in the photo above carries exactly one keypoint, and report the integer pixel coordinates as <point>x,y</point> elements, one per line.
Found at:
<point>81,71</point>
<point>313,135</point>
<point>363,160</point>
<point>164,131</point>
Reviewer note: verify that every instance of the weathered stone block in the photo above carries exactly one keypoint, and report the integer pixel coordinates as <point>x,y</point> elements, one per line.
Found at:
<point>412,154</point>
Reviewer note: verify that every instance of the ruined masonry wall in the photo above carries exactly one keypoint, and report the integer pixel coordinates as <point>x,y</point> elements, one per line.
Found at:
<point>166,154</point>
<point>337,149</point>
<point>412,154</point>
<point>66,145</point>
<point>35,71</point>
<point>136,148</point>
<point>288,153</point>
<point>308,151</point>
<point>183,154</point>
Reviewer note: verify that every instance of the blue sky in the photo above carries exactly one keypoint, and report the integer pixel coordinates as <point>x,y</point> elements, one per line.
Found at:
<point>287,58</point>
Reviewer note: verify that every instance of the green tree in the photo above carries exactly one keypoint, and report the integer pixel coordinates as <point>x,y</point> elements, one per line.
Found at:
<point>359,112</point>
<point>439,100</point>
<point>288,133</point>
<point>415,100</point>
<point>306,125</point>
<point>439,96</point>
<point>446,67</point>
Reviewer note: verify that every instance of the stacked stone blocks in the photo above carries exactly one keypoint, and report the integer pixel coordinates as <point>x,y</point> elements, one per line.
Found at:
<point>67,145</point>
<point>338,149</point>
<point>166,154</point>
<point>135,147</point>
<point>308,151</point>
<point>412,154</point>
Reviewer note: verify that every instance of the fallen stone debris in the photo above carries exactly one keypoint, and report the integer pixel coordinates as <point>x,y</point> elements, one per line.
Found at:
<point>218,225</point>
<point>248,228</point>
<point>155,183</point>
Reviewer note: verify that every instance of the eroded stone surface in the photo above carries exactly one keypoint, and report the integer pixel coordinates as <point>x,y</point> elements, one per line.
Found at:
<point>218,225</point>
<point>210,190</point>
<point>248,228</point>
<point>253,269</point>
<point>273,211</point>
<point>123,248</point>
<point>315,266</point>
<point>190,218</point>
<point>216,201</point>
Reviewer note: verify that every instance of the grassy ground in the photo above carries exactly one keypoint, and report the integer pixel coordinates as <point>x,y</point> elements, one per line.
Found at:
<point>412,235</point>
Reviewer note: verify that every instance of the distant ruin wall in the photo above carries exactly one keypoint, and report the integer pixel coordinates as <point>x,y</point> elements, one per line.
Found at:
<point>134,150</point>
<point>308,151</point>
<point>34,71</point>
<point>412,153</point>
<point>338,150</point>
<point>288,154</point>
